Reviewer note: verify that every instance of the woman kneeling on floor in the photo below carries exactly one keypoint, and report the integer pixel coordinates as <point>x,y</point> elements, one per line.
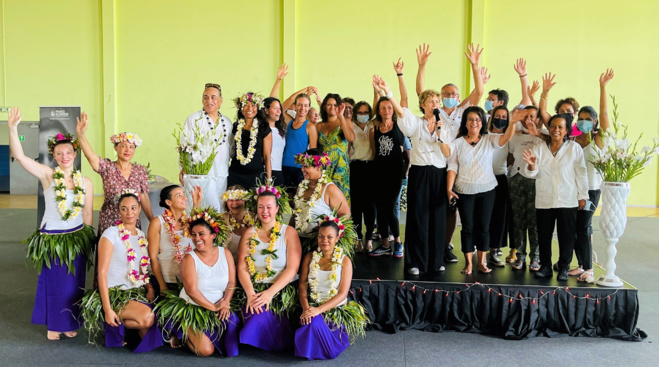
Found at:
<point>201,315</point>
<point>120,302</point>
<point>329,321</point>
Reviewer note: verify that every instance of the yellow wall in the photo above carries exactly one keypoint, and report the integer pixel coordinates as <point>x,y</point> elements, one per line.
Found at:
<point>141,65</point>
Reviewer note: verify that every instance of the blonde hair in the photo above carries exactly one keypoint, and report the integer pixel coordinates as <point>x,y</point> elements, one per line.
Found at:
<point>428,93</point>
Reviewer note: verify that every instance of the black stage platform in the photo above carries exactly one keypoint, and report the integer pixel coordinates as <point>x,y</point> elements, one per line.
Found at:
<point>506,303</point>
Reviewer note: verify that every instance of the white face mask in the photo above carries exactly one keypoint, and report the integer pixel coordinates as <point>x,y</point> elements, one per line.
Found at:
<point>291,113</point>
<point>362,118</point>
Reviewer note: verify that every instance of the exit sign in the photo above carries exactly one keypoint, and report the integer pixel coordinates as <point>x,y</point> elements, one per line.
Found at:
<point>21,137</point>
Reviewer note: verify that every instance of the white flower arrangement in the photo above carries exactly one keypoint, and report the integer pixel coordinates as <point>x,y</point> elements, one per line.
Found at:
<point>196,150</point>
<point>619,160</point>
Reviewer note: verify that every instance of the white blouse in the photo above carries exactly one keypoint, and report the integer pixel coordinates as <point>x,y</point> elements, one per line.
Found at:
<point>500,161</point>
<point>221,163</point>
<point>516,146</point>
<point>211,280</point>
<point>360,148</point>
<point>118,269</point>
<point>561,181</point>
<point>594,176</point>
<point>278,145</point>
<point>425,145</point>
<point>452,122</point>
<point>473,164</point>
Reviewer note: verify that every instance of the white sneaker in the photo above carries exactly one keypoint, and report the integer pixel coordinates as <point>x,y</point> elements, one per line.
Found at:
<point>413,271</point>
<point>442,268</point>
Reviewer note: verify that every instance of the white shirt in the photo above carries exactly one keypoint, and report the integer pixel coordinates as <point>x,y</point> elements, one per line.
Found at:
<point>425,145</point>
<point>500,161</point>
<point>211,280</point>
<point>278,145</point>
<point>594,176</point>
<point>221,163</point>
<point>561,181</point>
<point>279,264</point>
<point>516,146</point>
<point>360,148</point>
<point>473,164</point>
<point>118,269</point>
<point>452,122</point>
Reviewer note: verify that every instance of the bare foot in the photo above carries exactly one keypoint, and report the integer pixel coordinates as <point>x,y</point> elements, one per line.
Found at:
<point>466,270</point>
<point>52,335</point>
<point>484,269</point>
<point>175,342</point>
<point>70,334</point>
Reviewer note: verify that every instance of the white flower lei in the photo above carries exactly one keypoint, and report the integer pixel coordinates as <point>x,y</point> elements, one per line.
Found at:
<point>252,141</point>
<point>314,267</point>
<point>302,223</point>
<point>138,278</point>
<point>233,225</point>
<point>60,194</point>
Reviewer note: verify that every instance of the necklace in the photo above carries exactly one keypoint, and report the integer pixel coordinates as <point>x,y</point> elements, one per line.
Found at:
<point>174,238</point>
<point>314,267</point>
<point>557,150</point>
<point>303,217</point>
<point>234,224</point>
<point>270,251</point>
<point>60,194</point>
<point>211,125</point>
<point>140,277</point>
<point>252,141</point>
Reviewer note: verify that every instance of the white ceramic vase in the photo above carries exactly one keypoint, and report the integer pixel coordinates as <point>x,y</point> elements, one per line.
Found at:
<point>190,181</point>
<point>613,220</point>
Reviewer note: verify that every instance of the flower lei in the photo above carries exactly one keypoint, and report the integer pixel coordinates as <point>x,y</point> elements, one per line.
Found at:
<point>307,160</point>
<point>62,137</point>
<point>254,241</point>
<point>234,195</point>
<point>337,220</point>
<point>174,238</point>
<point>60,194</point>
<point>137,277</point>
<point>314,267</point>
<point>303,217</point>
<point>234,224</point>
<point>252,141</point>
<point>126,136</point>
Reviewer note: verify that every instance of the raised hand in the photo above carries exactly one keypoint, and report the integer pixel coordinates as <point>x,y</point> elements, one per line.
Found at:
<point>548,82</point>
<point>530,125</point>
<point>485,77</point>
<point>520,67</point>
<point>14,117</point>
<point>530,158</point>
<point>342,108</point>
<point>474,53</point>
<point>81,127</point>
<point>532,90</point>
<point>197,196</point>
<point>606,77</point>
<point>422,54</point>
<point>381,83</point>
<point>398,66</point>
<point>282,71</point>
<point>517,115</point>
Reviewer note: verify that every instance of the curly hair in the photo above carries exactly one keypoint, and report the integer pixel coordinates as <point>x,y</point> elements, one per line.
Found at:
<point>569,100</point>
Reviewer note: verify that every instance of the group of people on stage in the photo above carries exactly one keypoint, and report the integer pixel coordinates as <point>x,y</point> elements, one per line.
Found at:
<point>276,285</point>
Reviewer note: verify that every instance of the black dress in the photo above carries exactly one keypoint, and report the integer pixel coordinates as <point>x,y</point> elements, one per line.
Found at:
<point>246,175</point>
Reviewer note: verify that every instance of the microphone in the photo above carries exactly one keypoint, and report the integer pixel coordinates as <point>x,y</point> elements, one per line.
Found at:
<point>436,113</point>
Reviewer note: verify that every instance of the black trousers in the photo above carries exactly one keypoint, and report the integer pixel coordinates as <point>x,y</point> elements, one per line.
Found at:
<point>475,212</point>
<point>386,196</point>
<point>278,176</point>
<point>500,220</point>
<point>292,176</point>
<point>426,218</point>
<point>361,192</point>
<point>565,219</point>
<point>583,248</point>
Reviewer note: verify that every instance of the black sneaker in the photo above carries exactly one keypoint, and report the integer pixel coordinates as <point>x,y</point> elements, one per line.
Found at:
<point>381,250</point>
<point>544,272</point>
<point>562,275</point>
<point>448,255</point>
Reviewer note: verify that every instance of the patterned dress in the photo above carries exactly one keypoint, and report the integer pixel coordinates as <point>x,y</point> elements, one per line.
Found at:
<point>113,183</point>
<point>336,145</point>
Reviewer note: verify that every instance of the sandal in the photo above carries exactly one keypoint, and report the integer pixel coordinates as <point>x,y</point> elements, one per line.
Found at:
<point>535,266</point>
<point>575,272</point>
<point>512,257</point>
<point>518,264</point>
<point>587,276</point>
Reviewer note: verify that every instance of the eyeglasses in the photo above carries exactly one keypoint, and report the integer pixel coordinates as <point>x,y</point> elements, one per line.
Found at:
<point>213,85</point>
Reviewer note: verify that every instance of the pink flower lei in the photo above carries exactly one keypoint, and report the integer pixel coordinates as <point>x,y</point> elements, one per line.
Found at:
<point>174,238</point>
<point>140,277</point>
<point>266,188</point>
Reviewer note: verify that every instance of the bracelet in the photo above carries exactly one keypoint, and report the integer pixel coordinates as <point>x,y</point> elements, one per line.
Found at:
<point>521,76</point>
<point>399,74</point>
<point>390,95</point>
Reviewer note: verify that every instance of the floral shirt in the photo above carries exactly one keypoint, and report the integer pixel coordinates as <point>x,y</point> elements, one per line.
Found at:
<point>113,183</point>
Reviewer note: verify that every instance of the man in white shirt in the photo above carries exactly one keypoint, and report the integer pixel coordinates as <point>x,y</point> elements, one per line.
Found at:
<point>210,119</point>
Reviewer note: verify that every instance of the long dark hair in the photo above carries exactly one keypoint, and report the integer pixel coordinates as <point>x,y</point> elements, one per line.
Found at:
<point>494,112</point>
<point>378,117</point>
<point>263,114</point>
<point>323,111</point>
<point>463,124</point>
<point>166,194</point>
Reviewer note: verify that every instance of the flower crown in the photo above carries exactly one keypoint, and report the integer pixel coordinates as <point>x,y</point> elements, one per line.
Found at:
<point>267,188</point>
<point>322,161</point>
<point>279,192</point>
<point>235,195</point>
<point>214,219</point>
<point>124,192</point>
<point>337,220</point>
<point>255,98</point>
<point>347,233</point>
<point>126,136</point>
<point>62,137</point>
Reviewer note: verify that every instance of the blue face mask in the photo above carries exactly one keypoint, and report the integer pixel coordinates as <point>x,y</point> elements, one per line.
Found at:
<point>585,126</point>
<point>489,105</point>
<point>449,102</point>
<point>362,118</point>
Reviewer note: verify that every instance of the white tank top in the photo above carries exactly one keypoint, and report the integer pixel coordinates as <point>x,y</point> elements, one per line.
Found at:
<point>211,280</point>
<point>323,287</point>
<point>168,266</point>
<point>320,208</point>
<point>277,264</point>
<point>51,219</point>
<point>277,154</point>
<point>118,270</point>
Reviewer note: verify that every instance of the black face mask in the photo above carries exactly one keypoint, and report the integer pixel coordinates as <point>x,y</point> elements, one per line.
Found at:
<point>499,123</point>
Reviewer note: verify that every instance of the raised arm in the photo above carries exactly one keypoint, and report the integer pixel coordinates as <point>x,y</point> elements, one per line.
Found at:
<point>517,115</point>
<point>281,73</point>
<point>290,100</point>
<point>36,169</point>
<point>605,78</point>
<point>398,67</point>
<point>474,55</point>
<point>377,93</point>
<point>346,125</point>
<point>383,86</point>
<point>92,158</point>
<point>547,83</point>
<point>520,68</point>
<point>422,55</point>
<point>531,91</point>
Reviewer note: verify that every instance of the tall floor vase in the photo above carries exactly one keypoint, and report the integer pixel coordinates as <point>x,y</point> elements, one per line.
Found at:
<point>613,220</point>
<point>190,181</point>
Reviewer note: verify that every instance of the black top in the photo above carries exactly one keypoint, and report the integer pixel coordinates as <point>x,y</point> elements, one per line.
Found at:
<point>389,151</point>
<point>256,164</point>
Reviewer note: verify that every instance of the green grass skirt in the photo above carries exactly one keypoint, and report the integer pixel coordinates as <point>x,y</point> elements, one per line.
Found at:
<point>91,307</point>
<point>46,248</point>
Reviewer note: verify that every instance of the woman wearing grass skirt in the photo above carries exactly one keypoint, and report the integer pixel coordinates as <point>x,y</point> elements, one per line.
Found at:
<point>201,315</point>
<point>329,321</point>
<point>236,216</point>
<point>120,302</point>
<point>269,258</point>
<point>62,245</point>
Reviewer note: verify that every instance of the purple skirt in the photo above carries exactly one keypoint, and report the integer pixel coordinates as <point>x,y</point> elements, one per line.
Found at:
<point>227,344</point>
<point>317,341</point>
<point>115,336</point>
<point>267,331</point>
<point>57,295</point>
